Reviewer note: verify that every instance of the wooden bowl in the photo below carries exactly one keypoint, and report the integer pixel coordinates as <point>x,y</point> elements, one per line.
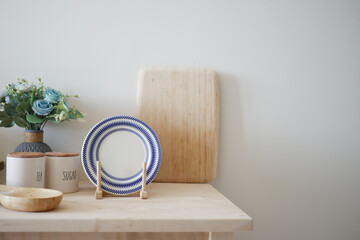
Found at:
<point>29,199</point>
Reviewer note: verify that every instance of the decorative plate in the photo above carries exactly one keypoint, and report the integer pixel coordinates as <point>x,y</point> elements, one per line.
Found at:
<point>122,144</point>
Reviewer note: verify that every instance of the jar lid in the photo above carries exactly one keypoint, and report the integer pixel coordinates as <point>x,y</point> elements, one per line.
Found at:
<point>26,155</point>
<point>61,154</point>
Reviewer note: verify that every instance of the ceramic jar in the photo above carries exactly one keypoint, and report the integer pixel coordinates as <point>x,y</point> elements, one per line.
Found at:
<point>25,169</point>
<point>62,169</point>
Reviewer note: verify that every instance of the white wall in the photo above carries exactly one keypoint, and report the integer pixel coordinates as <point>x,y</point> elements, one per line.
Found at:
<point>289,86</point>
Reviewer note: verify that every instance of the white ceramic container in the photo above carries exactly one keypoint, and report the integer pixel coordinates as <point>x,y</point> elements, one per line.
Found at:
<point>25,169</point>
<point>62,171</point>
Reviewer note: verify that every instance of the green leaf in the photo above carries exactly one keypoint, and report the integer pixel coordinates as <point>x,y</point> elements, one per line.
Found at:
<point>10,110</point>
<point>34,119</point>
<point>19,110</point>
<point>32,97</point>
<point>52,120</point>
<point>78,114</point>
<point>26,106</point>
<point>23,108</point>
<point>13,101</point>
<point>74,114</point>
<point>3,115</point>
<point>21,122</point>
<point>7,122</point>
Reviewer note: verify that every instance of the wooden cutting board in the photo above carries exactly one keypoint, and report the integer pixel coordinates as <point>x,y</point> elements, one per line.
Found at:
<point>181,105</point>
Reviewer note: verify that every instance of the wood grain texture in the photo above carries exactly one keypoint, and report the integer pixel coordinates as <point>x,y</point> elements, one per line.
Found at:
<point>62,154</point>
<point>181,105</point>
<point>172,207</point>
<point>98,192</point>
<point>107,236</point>
<point>26,155</point>
<point>29,199</point>
<point>143,192</point>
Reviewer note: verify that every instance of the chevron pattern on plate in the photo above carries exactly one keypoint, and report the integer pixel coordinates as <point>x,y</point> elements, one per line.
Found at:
<point>120,185</point>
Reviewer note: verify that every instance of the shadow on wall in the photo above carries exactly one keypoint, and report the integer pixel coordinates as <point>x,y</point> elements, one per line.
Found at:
<point>2,172</point>
<point>230,133</point>
<point>233,169</point>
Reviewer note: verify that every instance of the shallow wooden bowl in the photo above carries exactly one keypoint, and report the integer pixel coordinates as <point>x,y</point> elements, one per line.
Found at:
<point>29,199</point>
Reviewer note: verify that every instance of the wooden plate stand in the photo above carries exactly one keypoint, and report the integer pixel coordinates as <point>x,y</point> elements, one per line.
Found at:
<point>99,193</point>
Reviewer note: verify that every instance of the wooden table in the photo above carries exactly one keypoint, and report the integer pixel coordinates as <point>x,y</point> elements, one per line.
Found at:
<point>173,211</point>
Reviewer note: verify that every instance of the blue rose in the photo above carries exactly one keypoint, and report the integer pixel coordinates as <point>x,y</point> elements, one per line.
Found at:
<point>52,95</point>
<point>42,107</point>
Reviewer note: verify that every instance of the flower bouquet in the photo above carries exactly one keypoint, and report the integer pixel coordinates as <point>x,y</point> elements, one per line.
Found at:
<point>31,107</point>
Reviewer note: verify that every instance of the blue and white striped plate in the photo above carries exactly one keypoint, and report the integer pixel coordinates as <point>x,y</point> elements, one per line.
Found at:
<point>120,185</point>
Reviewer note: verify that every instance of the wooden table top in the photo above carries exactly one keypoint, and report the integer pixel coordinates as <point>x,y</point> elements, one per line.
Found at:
<point>171,207</point>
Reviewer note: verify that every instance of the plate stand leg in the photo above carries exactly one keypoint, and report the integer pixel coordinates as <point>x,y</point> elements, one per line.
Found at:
<point>143,191</point>
<point>98,192</point>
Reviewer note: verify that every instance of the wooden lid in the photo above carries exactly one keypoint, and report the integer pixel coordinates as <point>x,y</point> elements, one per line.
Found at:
<point>26,155</point>
<point>62,154</point>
